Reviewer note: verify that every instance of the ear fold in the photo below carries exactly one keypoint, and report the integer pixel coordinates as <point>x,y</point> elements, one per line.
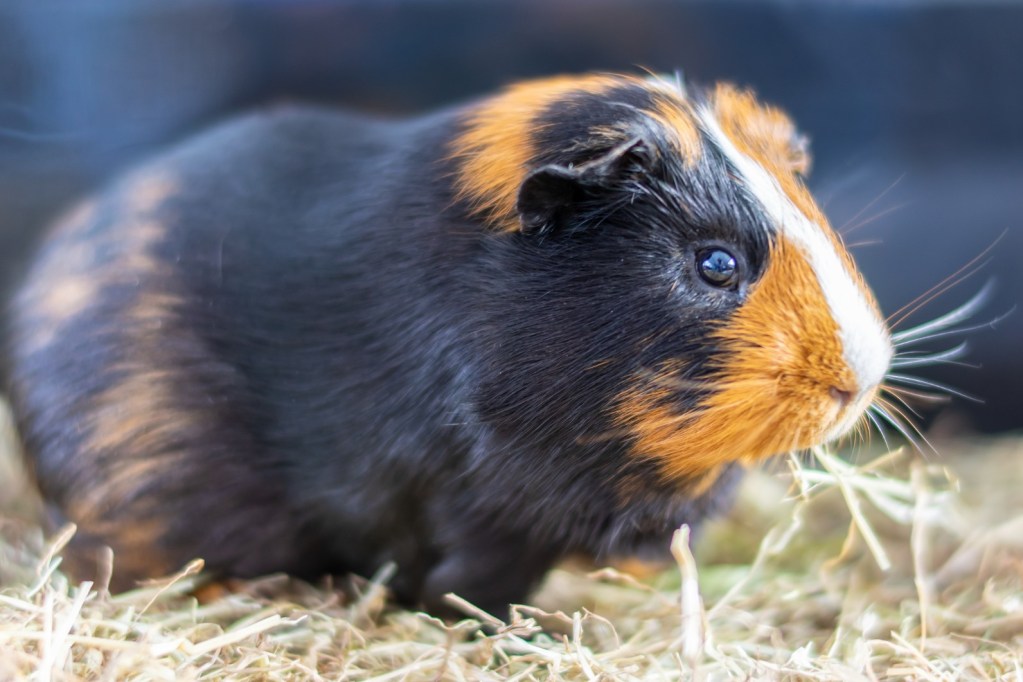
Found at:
<point>545,195</point>
<point>549,193</point>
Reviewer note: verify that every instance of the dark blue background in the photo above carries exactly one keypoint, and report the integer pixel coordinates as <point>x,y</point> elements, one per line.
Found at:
<point>915,108</point>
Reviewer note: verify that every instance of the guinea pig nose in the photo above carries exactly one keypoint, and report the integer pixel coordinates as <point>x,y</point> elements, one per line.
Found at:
<point>841,395</point>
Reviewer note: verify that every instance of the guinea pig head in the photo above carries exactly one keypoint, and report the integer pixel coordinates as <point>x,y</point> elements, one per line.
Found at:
<point>689,266</point>
<point>802,357</point>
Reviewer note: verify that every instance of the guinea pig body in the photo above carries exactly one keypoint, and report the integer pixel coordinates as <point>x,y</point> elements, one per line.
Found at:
<point>551,322</point>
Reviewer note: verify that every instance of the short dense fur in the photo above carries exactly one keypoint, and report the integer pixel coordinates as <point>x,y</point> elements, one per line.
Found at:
<point>471,343</point>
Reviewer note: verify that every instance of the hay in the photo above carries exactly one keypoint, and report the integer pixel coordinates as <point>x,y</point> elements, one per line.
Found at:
<point>879,571</point>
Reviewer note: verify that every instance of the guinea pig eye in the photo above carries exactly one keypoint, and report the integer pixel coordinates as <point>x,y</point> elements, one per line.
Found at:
<point>717,267</point>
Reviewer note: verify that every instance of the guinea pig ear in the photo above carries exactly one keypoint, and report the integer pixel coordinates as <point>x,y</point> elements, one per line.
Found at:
<point>548,194</point>
<point>768,131</point>
<point>800,157</point>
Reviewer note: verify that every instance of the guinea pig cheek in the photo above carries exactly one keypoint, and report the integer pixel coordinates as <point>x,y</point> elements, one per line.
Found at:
<point>771,389</point>
<point>784,366</point>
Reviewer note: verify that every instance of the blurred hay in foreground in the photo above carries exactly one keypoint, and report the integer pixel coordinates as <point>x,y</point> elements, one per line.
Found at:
<point>787,588</point>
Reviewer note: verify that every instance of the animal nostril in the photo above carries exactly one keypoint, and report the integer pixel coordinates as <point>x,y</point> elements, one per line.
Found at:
<point>841,395</point>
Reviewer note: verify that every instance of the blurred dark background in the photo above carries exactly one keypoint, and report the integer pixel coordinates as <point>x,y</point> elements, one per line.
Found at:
<point>915,109</point>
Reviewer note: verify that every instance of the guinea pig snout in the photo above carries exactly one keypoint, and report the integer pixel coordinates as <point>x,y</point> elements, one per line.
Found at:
<point>864,371</point>
<point>846,407</point>
<point>842,396</point>
<point>850,404</point>
<point>851,396</point>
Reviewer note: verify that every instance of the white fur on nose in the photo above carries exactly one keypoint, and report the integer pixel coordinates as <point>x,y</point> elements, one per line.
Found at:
<point>866,344</point>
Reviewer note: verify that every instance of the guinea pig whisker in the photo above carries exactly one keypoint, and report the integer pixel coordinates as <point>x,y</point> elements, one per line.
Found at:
<point>954,332</point>
<point>953,363</point>
<point>847,225</point>
<point>958,277</point>
<point>903,423</point>
<point>916,429</point>
<point>889,418</point>
<point>897,391</point>
<point>944,323</point>
<point>864,243</point>
<point>934,385</point>
<point>877,425</point>
<point>860,434</point>
<point>941,357</point>
<point>863,428</point>
<point>873,218</point>
<point>901,394</point>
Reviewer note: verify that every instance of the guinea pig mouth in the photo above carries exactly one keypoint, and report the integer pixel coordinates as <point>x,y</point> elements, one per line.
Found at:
<point>850,415</point>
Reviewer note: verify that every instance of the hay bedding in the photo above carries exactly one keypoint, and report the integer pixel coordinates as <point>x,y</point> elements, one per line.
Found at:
<point>883,571</point>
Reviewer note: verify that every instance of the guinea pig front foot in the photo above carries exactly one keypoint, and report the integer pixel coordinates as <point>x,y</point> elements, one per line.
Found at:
<point>491,576</point>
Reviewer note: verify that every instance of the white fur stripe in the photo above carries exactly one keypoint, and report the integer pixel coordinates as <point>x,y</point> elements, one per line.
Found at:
<point>866,345</point>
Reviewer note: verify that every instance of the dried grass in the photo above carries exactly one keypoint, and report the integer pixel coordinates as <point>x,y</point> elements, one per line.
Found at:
<point>879,571</point>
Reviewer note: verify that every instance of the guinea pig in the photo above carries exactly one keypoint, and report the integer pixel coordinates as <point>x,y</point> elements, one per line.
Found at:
<point>556,321</point>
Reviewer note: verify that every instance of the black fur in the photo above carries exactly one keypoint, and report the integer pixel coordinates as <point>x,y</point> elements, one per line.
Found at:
<point>353,369</point>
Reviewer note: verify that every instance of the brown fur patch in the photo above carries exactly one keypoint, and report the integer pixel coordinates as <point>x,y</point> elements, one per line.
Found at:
<point>497,145</point>
<point>770,391</point>
<point>675,114</point>
<point>135,414</point>
<point>128,425</point>
<point>126,413</point>
<point>70,276</point>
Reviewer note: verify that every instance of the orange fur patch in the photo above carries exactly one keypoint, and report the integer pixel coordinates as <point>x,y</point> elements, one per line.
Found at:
<point>498,143</point>
<point>675,114</point>
<point>496,147</point>
<point>770,391</point>
<point>762,132</point>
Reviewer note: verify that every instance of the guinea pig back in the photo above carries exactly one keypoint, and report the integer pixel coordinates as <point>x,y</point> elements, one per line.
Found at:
<point>555,321</point>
